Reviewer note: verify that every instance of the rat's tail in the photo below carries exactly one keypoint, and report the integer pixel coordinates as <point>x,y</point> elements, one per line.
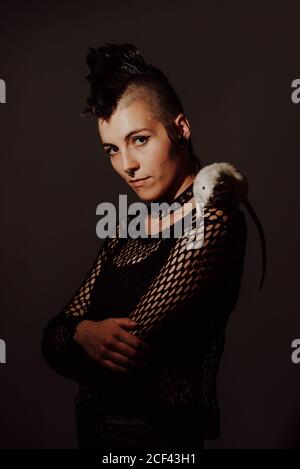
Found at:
<point>261,232</point>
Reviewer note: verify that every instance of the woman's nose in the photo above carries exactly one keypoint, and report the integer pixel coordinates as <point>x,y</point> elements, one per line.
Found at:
<point>128,163</point>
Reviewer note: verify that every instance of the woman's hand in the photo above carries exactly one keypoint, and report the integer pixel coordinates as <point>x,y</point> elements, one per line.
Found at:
<point>108,343</point>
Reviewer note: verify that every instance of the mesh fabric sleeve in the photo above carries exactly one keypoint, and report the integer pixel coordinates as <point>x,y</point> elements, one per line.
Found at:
<point>59,349</point>
<point>206,263</point>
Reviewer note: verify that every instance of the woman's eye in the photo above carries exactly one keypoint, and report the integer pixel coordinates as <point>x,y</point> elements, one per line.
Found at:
<point>142,139</point>
<point>139,140</point>
<point>110,151</point>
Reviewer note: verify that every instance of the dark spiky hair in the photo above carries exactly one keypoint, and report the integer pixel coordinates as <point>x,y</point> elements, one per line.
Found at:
<point>119,70</point>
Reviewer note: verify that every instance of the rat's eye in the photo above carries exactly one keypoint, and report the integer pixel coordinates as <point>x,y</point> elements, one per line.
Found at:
<point>203,187</point>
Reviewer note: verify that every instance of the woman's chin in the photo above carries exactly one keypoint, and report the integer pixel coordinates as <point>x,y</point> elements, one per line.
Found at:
<point>145,193</point>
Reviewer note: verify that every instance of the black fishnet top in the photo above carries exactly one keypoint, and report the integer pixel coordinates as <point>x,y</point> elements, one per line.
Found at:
<point>181,291</point>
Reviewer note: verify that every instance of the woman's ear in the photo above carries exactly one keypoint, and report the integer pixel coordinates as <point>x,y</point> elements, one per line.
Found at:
<point>183,126</point>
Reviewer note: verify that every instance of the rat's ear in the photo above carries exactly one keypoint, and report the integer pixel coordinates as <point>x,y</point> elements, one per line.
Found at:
<point>231,183</point>
<point>225,184</point>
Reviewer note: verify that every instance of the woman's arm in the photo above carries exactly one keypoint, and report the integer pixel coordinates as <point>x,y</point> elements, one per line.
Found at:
<point>212,272</point>
<point>59,349</point>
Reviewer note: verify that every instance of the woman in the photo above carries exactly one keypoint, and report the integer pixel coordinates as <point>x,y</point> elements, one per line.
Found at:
<point>144,333</point>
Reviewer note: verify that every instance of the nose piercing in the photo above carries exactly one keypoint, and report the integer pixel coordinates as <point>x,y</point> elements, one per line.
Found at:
<point>130,172</point>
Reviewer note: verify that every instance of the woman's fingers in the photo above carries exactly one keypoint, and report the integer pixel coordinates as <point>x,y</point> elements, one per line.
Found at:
<point>113,366</point>
<point>118,358</point>
<point>117,364</point>
<point>134,342</point>
<point>130,339</point>
<point>119,346</point>
<point>123,360</point>
<point>125,322</point>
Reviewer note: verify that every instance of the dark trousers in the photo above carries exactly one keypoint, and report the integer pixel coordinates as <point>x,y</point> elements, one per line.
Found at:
<point>102,428</point>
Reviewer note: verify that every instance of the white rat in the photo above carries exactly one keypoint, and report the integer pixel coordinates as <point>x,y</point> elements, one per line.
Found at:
<point>223,184</point>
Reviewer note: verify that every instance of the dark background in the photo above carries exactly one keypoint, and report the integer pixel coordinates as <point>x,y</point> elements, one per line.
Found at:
<point>233,70</point>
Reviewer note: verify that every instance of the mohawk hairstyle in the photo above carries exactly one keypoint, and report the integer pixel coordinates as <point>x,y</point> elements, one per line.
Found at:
<point>119,71</point>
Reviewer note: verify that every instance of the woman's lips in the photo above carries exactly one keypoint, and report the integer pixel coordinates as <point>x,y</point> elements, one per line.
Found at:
<point>139,182</point>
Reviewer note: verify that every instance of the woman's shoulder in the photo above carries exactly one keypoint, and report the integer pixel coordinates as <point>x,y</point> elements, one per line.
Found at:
<point>230,215</point>
<point>215,225</point>
<point>217,215</point>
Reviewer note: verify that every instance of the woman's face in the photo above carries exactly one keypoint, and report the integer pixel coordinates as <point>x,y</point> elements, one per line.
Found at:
<point>134,139</point>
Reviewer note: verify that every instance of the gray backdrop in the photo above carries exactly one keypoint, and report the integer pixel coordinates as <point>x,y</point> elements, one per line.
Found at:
<point>233,71</point>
